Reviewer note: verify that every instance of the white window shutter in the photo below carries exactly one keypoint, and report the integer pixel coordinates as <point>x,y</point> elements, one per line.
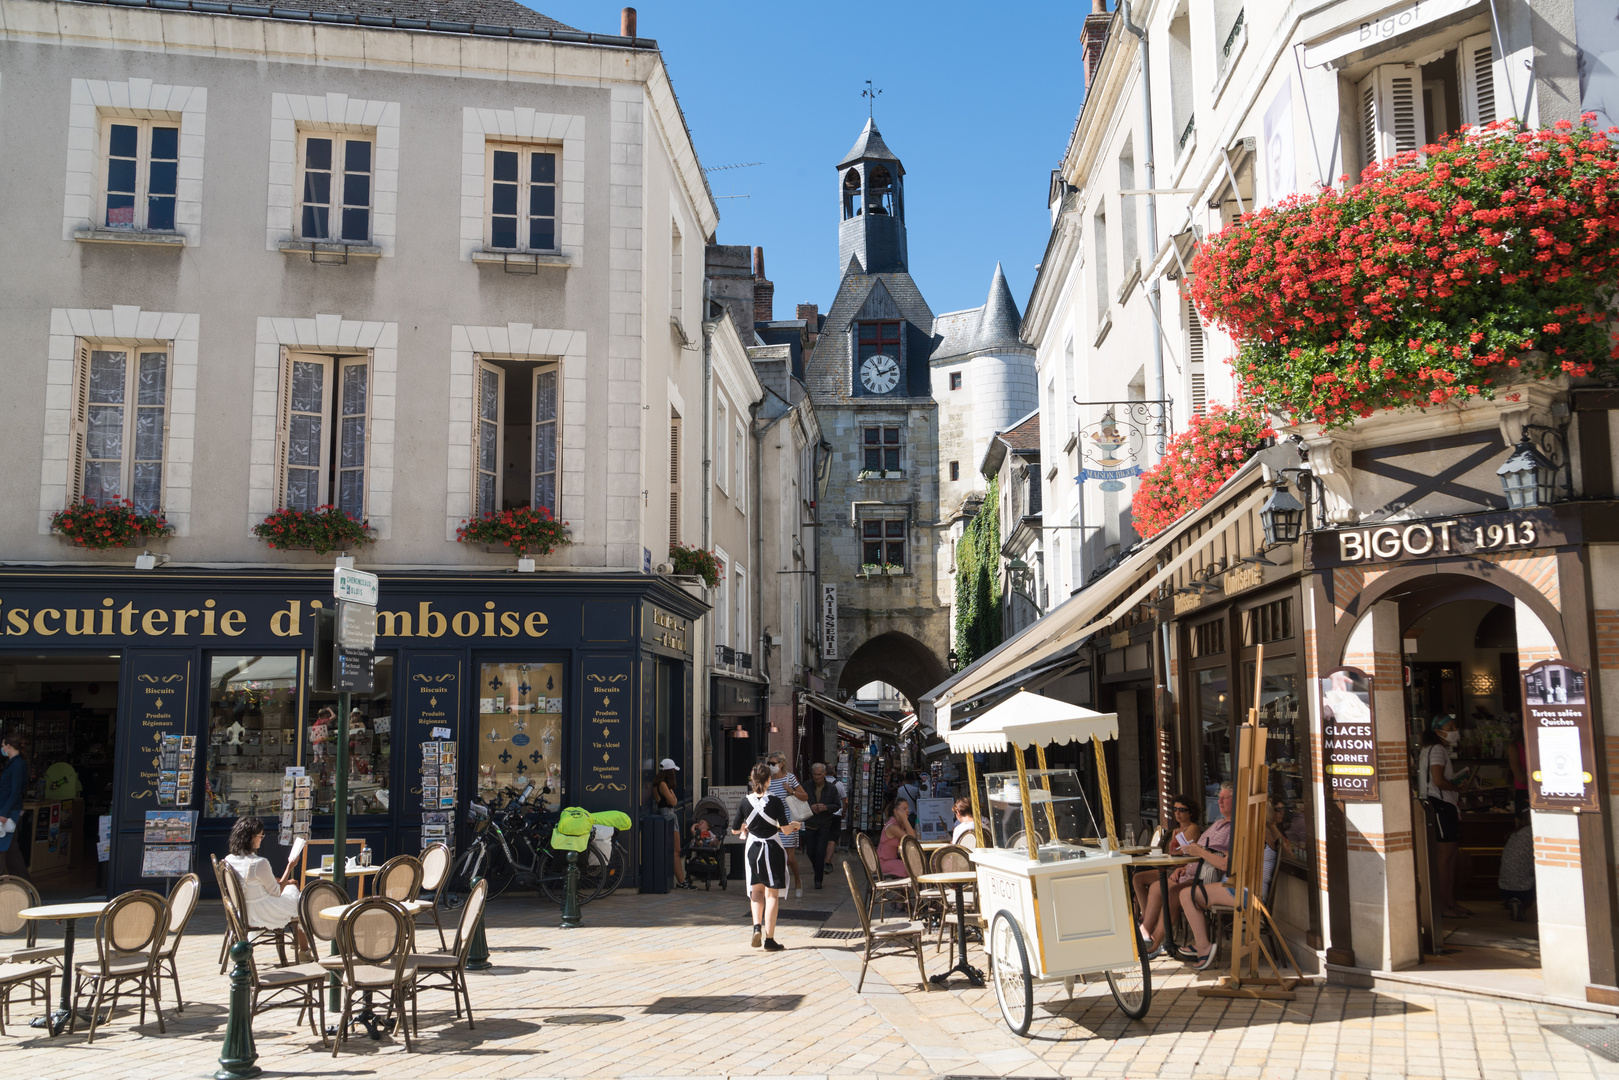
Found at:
<point>81,418</point>
<point>1479,80</point>
<point>1390,112</point>
<point>283,424</point>
<point>1194,359</point>
<point>674,481</point>
<point>488,434</point>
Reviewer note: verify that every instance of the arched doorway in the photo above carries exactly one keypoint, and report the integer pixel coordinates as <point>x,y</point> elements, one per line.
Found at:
<point>897,659</point>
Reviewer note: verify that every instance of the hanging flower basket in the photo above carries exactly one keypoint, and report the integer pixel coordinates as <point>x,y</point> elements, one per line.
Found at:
<point>694,561</point>
<point>323,529</point>
<point>114,523</point>
<point>1195,463</point>
<point>1489,259</point>
<point>524,531</point>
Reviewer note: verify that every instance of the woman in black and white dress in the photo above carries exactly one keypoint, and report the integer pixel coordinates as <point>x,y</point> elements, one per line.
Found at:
<point>762,820</point>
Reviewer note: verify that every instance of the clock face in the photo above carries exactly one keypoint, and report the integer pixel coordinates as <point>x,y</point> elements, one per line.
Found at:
<point>880,373</point>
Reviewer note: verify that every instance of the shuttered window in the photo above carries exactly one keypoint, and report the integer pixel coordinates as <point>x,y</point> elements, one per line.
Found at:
<point>1390,112</point>
<point>487,439</point>
<point>1194,359</point>
<point>674,478</point>
<point>515,453</point>
<point>120,423</point>
<point>1478,81</point>
<point>324,432</point>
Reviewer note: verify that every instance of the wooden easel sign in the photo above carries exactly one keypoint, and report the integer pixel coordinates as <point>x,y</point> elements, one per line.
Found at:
<point>1249,916</point>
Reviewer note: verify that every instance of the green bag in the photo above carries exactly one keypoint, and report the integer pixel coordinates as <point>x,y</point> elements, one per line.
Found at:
<point>572,832</point>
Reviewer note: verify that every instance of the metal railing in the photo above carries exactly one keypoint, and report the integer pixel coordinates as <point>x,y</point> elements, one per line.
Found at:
<point>1191,125</point>
<point>1231,38</point>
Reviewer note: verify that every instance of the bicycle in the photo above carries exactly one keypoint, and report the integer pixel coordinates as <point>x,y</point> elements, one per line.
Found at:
<point>513,844</point>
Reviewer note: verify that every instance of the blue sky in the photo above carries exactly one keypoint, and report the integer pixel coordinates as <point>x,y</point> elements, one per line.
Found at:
<point>977,100</point>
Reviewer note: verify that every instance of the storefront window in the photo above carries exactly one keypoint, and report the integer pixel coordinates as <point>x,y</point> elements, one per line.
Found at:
<point>370,744</point>
<point>1214,719</point>
<point>519,726</point>
<point>1287,754</point>
<point>252,733</point>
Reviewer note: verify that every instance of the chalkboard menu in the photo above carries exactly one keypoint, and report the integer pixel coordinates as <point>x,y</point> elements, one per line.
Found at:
<point>608,762</point>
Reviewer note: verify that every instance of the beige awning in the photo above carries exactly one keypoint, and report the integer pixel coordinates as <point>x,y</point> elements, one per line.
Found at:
<point>1026,719</point>
<point>1081,615</point>
<point>856,721</point>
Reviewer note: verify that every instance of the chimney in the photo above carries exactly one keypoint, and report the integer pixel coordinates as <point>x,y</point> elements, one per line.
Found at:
<point>764,291</point>
<point>1093,39</point>
<point>811,314</point>
<point>626,24</point>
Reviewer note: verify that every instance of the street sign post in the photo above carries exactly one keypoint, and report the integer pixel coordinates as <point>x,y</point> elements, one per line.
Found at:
<point>353,656</point>
<point>354,586</point>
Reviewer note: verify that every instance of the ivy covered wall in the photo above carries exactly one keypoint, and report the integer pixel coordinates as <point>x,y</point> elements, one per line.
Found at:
<point>978,581</point>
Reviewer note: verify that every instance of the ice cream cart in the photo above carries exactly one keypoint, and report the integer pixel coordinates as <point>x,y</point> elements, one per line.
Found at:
<point>1054,887</point>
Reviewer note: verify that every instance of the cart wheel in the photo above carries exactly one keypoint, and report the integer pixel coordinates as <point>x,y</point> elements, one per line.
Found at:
<point>1014,984</point>
<point>1132,987</point>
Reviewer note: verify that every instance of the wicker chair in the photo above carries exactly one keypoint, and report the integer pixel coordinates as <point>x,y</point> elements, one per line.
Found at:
<point>321,931</point>
<point>182,904</point>
<point>895,935</point>
<point>435,860</point>
<point>954,859</point>
<point>374,939</point>
<point>305,983</point>
<point>16,894</point>
<point>128,936</point>
<point>884,891</point>
<point>450,965</point>
<point>232,895</point>
<point>37,977</point>
<point>928,900</point>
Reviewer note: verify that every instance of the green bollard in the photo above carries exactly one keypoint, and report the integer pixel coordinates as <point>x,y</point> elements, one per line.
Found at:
<point>478,951</point>
<point>570,897</point>
<point>237,1056</point>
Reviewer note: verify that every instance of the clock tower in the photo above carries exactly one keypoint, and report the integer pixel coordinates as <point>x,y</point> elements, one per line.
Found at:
<point>870,378</point>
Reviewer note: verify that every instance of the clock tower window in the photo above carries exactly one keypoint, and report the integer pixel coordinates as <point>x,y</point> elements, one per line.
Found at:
<point>882,446</point>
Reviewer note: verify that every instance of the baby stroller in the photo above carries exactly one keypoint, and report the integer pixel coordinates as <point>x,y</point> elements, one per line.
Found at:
<point>705,860</point>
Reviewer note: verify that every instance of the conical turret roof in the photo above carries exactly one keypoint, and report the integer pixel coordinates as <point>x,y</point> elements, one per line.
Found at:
<point>869,147</point>
<point>998,325</point>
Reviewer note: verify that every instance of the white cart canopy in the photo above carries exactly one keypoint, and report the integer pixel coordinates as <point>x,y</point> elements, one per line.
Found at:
<point>1026,719</point>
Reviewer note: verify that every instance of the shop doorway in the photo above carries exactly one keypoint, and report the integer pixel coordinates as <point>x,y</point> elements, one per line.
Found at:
<point>66,709</point>
<point>1461,661</point>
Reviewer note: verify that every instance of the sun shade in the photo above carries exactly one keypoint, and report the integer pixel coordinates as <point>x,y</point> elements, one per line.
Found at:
<point>1026,719</point>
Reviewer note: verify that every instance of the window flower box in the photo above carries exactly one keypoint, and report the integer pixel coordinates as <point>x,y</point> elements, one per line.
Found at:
<point>115,523</point>
<point>321,530</point>
<point>695,562</point>
<point>523,532</point>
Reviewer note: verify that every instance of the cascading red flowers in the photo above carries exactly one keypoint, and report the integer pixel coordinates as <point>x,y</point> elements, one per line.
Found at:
<point>699,561</point>
<point>1195,463</point>
<point>526,530</point>
<point>108,524</point>
<point>323,529</point>
<point>1488,259</point>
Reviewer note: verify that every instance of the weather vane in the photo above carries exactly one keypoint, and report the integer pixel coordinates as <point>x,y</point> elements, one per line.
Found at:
<point>870,95</point>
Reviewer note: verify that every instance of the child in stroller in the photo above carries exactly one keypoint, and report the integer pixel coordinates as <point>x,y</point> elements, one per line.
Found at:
<point>705,858</point>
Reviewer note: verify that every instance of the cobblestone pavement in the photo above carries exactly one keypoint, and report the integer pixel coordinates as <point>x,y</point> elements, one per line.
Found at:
<point>667,986</point>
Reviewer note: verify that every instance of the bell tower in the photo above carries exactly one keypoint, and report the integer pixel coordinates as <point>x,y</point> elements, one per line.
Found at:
<point>871,194</point>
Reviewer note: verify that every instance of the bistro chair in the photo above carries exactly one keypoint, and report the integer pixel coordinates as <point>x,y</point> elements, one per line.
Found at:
<point>374,940</point>
<point>435,860</point>
<point>16,894</point>
<point>182,904</point>
<point>233,895</point>
<point>927,900</point>
<point>37,977</point>
<point>128,936</point>
<point>450,965</point>
<point>300,985</point>
<point>400,879</point>
<point>953,859</point>
<point>321,930</point>
<point>894,935</point>
<point>884,891</point>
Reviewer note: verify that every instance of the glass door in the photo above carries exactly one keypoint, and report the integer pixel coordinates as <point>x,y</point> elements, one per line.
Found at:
<point>519,726</point>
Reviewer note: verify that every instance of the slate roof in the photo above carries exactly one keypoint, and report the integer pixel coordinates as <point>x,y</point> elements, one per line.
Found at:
<point>1024,435</point>
<point>870,147</point>
<point>488,12</point>
<point>985,330</point>
<point>827,372</point>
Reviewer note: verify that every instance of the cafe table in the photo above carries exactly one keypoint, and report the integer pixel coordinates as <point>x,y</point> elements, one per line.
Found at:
<point>358,873</point>
<point>959,879</point>
<point>1162,863</point>
<point>367,1016</point>
<point>68,915</point>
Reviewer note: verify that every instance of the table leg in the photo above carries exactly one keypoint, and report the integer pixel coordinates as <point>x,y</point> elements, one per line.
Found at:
<point>56,1021</point>
<point>1165,921</point>
<point>974,976</point>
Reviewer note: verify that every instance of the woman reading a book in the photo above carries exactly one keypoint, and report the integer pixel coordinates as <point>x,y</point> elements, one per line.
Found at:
<point>271,901</point>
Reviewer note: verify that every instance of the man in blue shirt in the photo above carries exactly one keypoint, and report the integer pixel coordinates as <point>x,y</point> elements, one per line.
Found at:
<point>13,781</point>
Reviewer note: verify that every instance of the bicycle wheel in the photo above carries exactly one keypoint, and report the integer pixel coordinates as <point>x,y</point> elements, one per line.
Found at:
<point>1132,986</point>
<point>499,873</point>
<point>552,875</point>
<point>459,883</point>
<point>593,874</point>
<point>618,868</point>
<point>1014,982</point>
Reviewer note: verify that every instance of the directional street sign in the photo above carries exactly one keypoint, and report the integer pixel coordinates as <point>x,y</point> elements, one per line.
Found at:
<point>355,586</point>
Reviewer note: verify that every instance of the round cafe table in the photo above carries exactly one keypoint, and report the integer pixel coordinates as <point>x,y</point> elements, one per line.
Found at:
<point>68,915</point>
<point>358,873</point>
<point>960,879</point>
<point>1162,863</point>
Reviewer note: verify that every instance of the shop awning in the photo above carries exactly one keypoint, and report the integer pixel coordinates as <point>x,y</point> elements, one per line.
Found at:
<point>858,721</point>
<point>1069,623</point>
<point>1026,719</point>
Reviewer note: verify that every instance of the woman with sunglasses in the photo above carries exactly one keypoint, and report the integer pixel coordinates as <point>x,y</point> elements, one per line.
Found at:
<point>1149,898</point>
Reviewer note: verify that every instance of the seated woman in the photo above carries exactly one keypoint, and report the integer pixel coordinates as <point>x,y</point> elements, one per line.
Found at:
<point>964,834</point>
<point>271,901</point>
<point>897,827</point>
<point>1148,884</point>
<point>1221,894</point>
